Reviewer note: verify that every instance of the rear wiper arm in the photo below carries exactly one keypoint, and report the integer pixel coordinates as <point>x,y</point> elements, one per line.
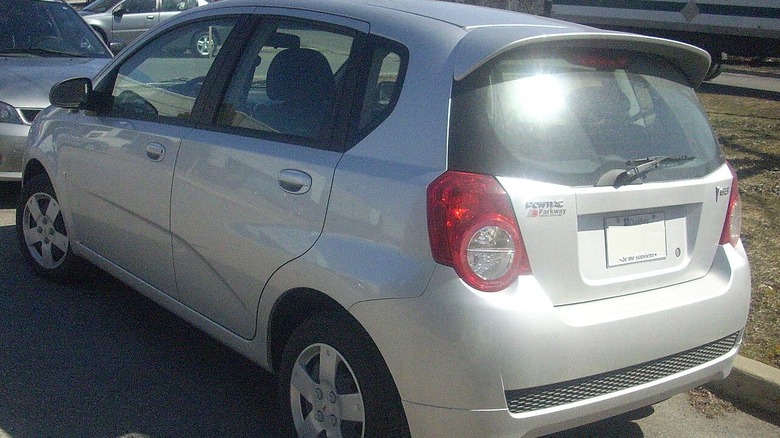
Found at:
<point>639,167</point>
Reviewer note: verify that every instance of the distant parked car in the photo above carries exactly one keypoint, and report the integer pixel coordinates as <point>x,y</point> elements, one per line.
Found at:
<point>98,6</point>
<point>42,42</point>
<point>427,218</point>
<point>124,21</point>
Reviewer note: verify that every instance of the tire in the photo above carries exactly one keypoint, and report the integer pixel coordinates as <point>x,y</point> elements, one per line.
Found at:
<point>354,397</point>
<point>42,235</point>
<point>714,71</point>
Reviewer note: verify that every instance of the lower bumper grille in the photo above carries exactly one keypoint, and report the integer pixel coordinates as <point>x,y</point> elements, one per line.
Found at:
<point>543,397</point>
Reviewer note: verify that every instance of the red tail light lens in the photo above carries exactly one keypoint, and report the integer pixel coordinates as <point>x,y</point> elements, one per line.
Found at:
<point>472,227</point>
<point>733,225</point>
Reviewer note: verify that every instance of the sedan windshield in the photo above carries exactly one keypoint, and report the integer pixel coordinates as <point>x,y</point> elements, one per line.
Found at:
<point>46,28</point>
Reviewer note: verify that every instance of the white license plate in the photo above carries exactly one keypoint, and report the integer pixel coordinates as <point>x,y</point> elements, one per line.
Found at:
<point>634,239</point>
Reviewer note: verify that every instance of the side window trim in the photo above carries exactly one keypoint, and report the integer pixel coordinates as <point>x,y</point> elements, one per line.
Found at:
<point>375,43</point>
<point>344,102</point>
<point>106,81</point>
<point>217,80</point>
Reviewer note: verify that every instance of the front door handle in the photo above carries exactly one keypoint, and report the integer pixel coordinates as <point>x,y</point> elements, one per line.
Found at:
<point>155,151</point>
<point>294,181</point>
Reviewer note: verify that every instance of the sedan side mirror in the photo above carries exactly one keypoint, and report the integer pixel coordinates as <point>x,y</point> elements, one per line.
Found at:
<point>71,93</point>
<point>119,11</point>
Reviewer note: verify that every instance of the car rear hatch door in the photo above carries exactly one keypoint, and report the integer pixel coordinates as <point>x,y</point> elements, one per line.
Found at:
<point>598,242</point>
<point>617,180</point>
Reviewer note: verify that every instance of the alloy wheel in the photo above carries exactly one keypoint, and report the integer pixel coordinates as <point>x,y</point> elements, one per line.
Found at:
<point>44,230</point>
<point>325,396</point>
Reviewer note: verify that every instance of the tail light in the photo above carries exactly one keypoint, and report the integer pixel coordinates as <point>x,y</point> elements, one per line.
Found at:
<point>733,225</point>
<point>472,227</point>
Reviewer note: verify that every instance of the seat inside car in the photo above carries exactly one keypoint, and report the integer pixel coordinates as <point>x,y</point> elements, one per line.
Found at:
<point>300,87</point>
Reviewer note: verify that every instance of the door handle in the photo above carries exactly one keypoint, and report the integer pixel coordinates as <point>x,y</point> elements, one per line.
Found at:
<point>150,17</point>
<point>155,151</point>
<point>294,181</point>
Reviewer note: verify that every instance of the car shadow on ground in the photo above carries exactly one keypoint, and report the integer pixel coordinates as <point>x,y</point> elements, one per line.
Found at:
<point>97,359</point>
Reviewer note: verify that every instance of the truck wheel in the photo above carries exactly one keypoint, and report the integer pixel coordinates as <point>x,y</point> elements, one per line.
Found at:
<point>714,71</point>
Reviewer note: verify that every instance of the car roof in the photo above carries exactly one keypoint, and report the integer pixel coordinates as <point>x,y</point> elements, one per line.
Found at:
<point>488,32</point>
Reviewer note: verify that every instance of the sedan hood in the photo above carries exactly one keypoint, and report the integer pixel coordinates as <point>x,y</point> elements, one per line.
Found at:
<point>25,82</point>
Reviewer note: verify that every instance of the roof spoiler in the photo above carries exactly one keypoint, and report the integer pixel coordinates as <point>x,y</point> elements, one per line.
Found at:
<point>692,61</point>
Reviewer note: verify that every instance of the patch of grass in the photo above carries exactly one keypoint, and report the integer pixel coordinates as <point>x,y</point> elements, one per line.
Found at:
<point>708,404</point>
<point>749,129</point>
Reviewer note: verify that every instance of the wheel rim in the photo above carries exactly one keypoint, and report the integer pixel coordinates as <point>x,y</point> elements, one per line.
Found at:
<point>204,44</point>
<point>325,396</point>
<point>44,230</point>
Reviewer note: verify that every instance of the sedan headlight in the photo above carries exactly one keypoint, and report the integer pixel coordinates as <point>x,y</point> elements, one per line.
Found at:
<point>8,114</point>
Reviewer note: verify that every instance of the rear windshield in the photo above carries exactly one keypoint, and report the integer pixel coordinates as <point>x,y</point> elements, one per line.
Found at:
<point>571,116</point>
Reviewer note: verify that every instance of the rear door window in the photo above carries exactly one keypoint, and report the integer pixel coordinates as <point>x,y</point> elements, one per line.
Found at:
<point>570,116</point>
<point>288,81</point>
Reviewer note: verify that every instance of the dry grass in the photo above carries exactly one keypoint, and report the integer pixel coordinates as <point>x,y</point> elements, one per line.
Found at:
<point>750,132</point>
<point>708,404</point>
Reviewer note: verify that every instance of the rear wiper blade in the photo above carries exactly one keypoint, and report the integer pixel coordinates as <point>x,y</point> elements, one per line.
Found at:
<point>639,167</point>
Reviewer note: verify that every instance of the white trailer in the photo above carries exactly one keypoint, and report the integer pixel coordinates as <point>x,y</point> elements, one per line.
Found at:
<point>749,28</point>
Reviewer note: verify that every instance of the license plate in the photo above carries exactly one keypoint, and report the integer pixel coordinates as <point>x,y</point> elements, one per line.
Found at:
<point>635,239</point>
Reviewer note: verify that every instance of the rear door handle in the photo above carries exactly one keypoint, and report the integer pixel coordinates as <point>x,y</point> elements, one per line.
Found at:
<point>155,151</point>
<point>294,181</point>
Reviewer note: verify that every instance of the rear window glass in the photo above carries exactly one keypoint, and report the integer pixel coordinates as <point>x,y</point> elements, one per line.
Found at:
<point>570,116</point>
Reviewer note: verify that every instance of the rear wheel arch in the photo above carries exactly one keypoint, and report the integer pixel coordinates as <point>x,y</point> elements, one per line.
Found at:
<point>359,394</point>
<point>291,310</point>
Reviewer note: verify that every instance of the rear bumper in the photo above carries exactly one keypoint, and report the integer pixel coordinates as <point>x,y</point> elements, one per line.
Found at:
<point>462,359</point>
<point>436,421</point>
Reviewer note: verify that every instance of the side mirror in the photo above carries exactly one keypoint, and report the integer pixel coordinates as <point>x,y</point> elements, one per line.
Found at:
<point>119,11</point>
<point>71,93</point>
<point>116,46</point>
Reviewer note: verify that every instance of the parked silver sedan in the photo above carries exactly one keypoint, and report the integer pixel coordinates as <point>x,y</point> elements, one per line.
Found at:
<point>42,42</point>
<point>427,218</point>
<point>121,22</point>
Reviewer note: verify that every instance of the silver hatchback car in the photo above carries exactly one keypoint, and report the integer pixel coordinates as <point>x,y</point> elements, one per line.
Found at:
<point>426,218</point>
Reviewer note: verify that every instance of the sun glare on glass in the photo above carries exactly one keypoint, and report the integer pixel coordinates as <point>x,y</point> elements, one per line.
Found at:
<point>538,97</point>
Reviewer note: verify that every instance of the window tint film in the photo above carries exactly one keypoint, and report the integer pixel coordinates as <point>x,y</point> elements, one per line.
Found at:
<point>288,80</point>
<point>385,77</point>
<point>570,116</point>
<point>163,79</point>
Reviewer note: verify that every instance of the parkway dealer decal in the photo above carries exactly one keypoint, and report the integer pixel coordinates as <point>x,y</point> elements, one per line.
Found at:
<point>544,208</point>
